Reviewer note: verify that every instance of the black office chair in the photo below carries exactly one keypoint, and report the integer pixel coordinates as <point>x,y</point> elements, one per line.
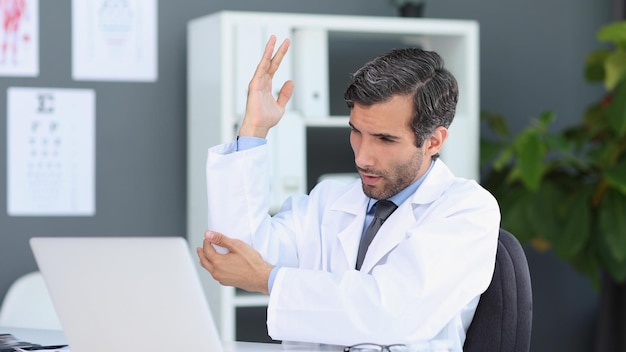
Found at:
<point>503,318</point>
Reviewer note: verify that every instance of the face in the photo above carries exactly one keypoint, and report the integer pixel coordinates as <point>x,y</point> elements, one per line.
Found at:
<point>383,142</point>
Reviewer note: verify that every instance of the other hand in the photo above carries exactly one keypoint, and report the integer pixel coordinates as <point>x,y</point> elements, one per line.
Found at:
<point>242,266</point>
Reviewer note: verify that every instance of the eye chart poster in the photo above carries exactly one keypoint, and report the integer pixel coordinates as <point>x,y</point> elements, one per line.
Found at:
<point>114,40</point>
<point>19,37</point>
<point>51,148</point>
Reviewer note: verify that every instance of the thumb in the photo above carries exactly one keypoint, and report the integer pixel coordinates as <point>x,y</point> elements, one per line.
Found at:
<point>218,238</point>
<point>285,94</point>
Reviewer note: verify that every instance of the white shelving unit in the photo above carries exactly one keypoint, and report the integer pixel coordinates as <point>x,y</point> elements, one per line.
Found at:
<point>223,51</point>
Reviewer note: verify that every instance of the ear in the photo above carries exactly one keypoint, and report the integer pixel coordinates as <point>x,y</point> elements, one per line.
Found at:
<point>436,140</point>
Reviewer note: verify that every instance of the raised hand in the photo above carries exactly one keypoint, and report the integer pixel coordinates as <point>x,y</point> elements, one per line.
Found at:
<point>263,110</point>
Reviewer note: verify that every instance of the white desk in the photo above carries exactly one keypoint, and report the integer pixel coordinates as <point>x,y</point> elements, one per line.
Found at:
<point>55,337</point>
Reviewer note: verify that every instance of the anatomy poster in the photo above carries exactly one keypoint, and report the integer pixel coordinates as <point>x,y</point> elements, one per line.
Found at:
<point>19,38</point>
<point>114,40</point>
<point>50,152</point>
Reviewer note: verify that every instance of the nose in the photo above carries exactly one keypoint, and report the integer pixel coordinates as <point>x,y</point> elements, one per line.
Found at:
<point>363,155</point>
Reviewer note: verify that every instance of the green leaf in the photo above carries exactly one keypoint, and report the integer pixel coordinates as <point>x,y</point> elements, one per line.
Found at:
<point>497,123</point>
<point>531,151</point>
<point>615,268</point>
<point>575,233</point>
<point>506,155</point>
<point>546,118</point>
<point>614,69</point>
<point>542,211</point>
<point>514,205</point>
<point>559,143</point>
<point>614,32</point>
<point>594,118</point>
<point>616,177</point>
<point>594,66</point>
<point>616,112</point>
<point>612,223</point>
<point>489,150</point>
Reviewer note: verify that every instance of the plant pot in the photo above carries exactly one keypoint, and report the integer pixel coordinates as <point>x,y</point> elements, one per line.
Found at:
<point>611,317</point>
<point>411,10</point>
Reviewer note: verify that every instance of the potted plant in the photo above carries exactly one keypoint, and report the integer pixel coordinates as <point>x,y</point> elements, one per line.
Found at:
<point>566,190</point>
<point>409,8</point>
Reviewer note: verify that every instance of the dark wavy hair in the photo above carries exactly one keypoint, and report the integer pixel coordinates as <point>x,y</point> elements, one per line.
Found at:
<point>408,71</point>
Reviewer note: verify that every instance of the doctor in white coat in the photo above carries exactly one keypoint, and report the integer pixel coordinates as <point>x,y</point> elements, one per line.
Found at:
<point>426,267</point>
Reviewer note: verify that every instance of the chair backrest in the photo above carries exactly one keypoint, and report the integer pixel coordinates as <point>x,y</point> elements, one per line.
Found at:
<point>503,318</point>
<point>27,304</point>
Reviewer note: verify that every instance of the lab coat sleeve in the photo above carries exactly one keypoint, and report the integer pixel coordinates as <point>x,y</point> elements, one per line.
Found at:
<point>238,201</point>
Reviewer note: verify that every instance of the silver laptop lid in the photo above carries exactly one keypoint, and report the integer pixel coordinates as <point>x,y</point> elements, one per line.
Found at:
<point>126,293</point>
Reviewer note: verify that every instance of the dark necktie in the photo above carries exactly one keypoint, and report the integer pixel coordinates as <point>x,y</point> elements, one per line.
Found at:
<point>384,208</point>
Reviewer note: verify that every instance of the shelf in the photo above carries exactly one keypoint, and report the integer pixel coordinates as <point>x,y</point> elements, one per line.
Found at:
<point>330,121</point>
<point>250,300</point>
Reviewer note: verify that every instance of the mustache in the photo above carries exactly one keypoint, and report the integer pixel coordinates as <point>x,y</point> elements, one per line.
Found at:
<point>369,171</point>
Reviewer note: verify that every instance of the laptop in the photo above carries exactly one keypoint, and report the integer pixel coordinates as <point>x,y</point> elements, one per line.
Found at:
<point>126,294</point>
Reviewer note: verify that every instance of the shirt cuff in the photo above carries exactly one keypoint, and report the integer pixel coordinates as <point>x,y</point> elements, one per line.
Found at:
<point>270,281</point>
<point>248,142</point>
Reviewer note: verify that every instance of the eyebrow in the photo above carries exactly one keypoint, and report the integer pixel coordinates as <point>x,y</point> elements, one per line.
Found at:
<point>379,135</point>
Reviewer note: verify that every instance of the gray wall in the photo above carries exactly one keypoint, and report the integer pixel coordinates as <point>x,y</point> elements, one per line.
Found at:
<point>532,54</point>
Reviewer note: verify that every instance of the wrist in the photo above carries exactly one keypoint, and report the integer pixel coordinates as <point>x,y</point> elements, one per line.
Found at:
<point>253,131</point>
<point>265,279</point>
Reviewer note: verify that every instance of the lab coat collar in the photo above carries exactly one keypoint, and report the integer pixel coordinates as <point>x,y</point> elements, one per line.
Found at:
<point>437,181</point>
<point>353,201</point>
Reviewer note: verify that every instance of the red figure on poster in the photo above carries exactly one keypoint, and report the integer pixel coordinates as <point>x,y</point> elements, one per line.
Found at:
<point>12,13</point>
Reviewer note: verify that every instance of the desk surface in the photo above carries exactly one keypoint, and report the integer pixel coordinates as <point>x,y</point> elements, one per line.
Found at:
<point>55,337</point>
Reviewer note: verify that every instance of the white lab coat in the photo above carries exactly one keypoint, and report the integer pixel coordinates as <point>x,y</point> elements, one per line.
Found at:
<point>420,280</point>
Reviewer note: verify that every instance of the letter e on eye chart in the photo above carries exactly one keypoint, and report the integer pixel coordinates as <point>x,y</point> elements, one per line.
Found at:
<point>50,152</point>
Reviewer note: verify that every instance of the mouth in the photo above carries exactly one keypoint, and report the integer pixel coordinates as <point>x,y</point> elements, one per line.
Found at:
<point>369,179</point>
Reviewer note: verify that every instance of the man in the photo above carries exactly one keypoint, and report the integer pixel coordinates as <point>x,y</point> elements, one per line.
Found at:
<point>426,267</point>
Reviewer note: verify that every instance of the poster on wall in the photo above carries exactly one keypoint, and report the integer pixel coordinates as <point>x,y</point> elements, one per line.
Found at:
<point>19,38</point>
<point>50,152</point>
<point>114,40</point>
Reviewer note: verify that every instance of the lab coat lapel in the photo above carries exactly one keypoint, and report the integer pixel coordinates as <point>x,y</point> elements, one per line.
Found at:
<point>350,206</point>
